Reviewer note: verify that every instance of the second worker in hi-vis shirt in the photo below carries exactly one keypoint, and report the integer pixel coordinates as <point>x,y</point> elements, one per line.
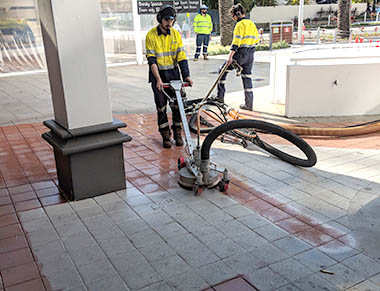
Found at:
<point>202,28</point>
<point>242,50</point>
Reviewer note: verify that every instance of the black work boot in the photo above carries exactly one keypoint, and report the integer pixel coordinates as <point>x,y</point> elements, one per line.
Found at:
<point>166,143</point>
<point>177,131</point>
<point>245,107</point>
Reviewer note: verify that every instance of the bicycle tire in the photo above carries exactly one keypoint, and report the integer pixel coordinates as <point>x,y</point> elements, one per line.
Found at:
<point>193,121</point>
<point>194,128</point>
<point>309,161</point>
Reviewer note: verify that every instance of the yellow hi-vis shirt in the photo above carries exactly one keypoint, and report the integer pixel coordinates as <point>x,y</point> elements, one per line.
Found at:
<point>245,35</point>
<point>167,49</point>
<point>202,24</point>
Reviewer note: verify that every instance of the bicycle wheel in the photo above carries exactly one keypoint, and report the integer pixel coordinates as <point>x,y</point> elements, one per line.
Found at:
<point>213,115</point>
<point>272,138</point>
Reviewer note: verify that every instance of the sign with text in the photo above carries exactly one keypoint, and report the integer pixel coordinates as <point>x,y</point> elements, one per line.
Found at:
<point>154,6</point>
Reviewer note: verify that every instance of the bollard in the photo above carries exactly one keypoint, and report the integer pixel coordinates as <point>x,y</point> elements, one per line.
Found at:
<point>335,33</point>
<point>270,36</point>
<point>302,35</point>
<point>318,35</point>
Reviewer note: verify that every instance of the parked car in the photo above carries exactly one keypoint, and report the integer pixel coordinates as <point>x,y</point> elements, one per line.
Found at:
<point>18,29</point>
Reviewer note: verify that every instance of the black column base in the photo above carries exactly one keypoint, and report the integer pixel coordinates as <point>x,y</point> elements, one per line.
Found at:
<point>90,160</point>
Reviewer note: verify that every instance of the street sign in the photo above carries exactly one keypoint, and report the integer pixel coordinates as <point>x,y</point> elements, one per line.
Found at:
<point>153,6</point>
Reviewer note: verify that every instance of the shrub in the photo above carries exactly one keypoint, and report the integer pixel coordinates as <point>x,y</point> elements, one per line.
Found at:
<point>218,49</point>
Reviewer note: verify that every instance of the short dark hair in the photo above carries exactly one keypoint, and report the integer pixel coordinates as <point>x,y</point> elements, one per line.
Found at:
<point>237,10</point>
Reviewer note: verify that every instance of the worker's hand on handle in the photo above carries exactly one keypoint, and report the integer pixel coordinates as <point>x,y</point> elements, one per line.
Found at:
<point>160,85</point>
<point>229,61</point>
<point>230,58</point>
<point>188,79</point>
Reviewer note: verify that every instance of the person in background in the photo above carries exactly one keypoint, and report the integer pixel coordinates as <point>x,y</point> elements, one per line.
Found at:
<point>245,38</point>
<point>185,29</point>
<point>177,27</point>
<point>165,53</point>
<point>202,28</point>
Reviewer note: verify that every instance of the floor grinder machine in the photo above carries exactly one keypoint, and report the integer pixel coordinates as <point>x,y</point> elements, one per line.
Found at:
<point>195,174</point>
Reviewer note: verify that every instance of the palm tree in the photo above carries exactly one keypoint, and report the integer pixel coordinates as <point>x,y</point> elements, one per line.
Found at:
<point>226,22</point>
<point>344,8</point>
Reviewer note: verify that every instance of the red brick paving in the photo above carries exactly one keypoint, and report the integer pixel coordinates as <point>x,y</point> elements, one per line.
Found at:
<point>292,225</point>
<point>28,181</point>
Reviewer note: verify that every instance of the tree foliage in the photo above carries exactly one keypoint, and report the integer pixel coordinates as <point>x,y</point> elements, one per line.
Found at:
<point>212,4</point>
<point>297,2</point>
<point>265,3</point>
<point>248,4</point>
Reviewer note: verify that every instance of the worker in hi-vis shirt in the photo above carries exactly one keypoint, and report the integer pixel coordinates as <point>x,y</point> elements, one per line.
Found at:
<point>165,53</point>
<point>202,27</point>
<point>242,50</point>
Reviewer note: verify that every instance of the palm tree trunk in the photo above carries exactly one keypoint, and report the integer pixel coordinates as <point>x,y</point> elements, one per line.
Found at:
<point>344,7</point>
<point>226,22</point>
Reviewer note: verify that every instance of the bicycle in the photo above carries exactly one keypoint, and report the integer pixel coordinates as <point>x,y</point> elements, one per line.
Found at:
<point>245,132</point>
<point>250,131</point>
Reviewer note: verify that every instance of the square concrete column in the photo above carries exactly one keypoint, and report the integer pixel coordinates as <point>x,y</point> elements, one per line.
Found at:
<point>87,143</point>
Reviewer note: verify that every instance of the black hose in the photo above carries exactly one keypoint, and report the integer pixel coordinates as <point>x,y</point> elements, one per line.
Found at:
<point>258,125</point>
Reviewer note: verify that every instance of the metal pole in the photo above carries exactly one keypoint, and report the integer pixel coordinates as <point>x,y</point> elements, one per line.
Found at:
<point>137,32</point>
<point>377,16</point>
<point>270,36</point>
<point>365,16</point>
<point>328,20</point>
<point>318,35</point>
<point>350,37</point>
<point>300,20</point>
<point>335,32</point>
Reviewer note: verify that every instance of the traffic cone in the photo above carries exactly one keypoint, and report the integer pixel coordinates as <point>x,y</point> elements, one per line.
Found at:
<point>361,40</point>
<point>357,39</point>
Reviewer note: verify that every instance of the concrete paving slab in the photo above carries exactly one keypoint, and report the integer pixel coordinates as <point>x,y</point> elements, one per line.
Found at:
<point>122,80</point>
<point>112,284</point>
<point>337,199</point>
<point>216,273</point>
<point>266,279</point>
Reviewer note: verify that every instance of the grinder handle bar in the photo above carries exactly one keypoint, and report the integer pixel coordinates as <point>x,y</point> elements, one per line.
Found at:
<point>184,84</point>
